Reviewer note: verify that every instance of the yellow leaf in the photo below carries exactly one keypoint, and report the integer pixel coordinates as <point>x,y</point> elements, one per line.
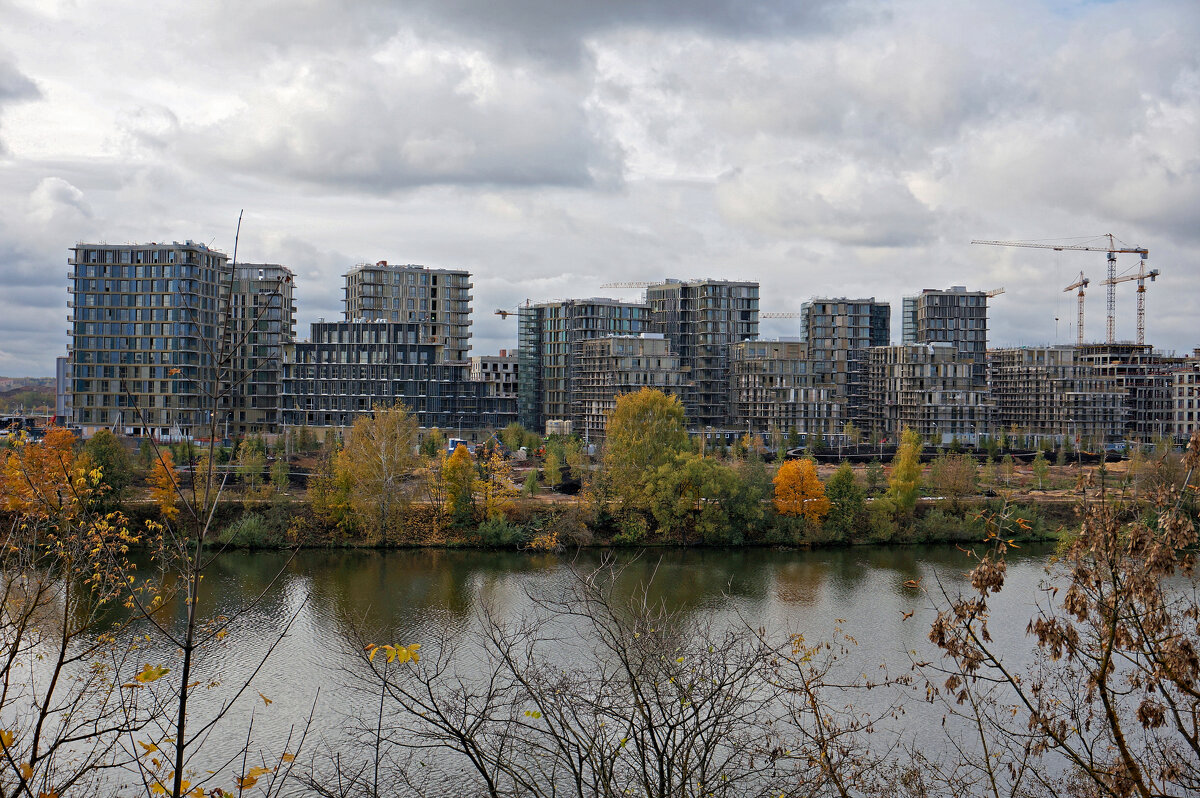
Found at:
<point>152,674</point>
<point>288,757</point>
<point>150,747</point>
<point>266,701</point>
<point>6,738</point>
<point>51,794</point>
<point>158,789</point>
<point>26,771</point>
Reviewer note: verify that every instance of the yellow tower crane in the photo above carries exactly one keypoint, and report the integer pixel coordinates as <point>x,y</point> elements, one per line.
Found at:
<point>1141,276</point>
<point>1112,249</point>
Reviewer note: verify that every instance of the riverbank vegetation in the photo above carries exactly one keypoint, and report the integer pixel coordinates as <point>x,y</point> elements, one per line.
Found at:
<point>386,483</point>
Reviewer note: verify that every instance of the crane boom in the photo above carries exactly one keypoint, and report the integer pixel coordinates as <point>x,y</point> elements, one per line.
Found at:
<point>1112,249</point>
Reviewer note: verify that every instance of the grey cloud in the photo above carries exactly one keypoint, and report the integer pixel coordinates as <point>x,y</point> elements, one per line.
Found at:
<point>15,86</point>
<point>424,119</point>
<point>558,30</point>
<point>845,203</point>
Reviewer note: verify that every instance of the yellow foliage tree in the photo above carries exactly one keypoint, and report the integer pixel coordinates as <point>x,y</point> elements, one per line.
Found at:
<point>379,455</point>
<point>496,489</point>
<point>799,492</point>
<point>459,476</point>
<point>645,431</point>
<point>164,489</point>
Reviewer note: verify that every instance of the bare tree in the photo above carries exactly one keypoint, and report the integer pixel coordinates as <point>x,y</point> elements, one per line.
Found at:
<point>646,702</point>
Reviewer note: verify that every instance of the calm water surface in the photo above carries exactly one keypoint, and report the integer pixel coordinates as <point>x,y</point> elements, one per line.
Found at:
<point>415,596</point>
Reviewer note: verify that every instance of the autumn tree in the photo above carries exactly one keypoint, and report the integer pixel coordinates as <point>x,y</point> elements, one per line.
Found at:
<point>954,476</point>
<point>164,485</point>
<point>645,431</point>
<point>105,451</point>
<point>495,487</point>
<point>1041,469</point>
<point>459,476</point>
<point>252,459</point>
<point>904,487</point>
<point>847,503</point>
<point>1112,701</point>
<point>377,459</point>
<point>799,492</point>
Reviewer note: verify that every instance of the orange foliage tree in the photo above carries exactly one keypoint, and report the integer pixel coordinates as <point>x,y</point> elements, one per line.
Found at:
<point>163,486</point>
<point>799,492</point>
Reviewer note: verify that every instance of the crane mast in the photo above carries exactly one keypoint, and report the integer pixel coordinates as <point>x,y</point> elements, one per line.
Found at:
<point>1081,284</point>
<point>1141,276</point>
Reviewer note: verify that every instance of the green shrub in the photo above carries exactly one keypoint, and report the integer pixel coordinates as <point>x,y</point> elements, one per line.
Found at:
<point>251,531</point>
<point>497,533</point>
<point>633,528</point>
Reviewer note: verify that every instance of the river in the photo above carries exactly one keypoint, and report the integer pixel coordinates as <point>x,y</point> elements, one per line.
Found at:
<point>417,596</point>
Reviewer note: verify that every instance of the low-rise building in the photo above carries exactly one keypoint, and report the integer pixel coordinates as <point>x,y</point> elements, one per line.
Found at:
<point>775,387</point>
<point>619,364</point>
<point>1047,392</point>
<point>929,388</point>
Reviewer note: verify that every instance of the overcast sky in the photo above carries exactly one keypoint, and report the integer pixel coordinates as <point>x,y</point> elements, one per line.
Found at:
<point>823,148</point>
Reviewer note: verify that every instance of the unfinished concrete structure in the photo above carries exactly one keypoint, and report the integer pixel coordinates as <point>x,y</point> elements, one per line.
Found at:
<point>701,319</point>
<point>620,364</point>
<point>145,334</point>
<point>550,337</point>
<point>1185,397</point>
<point>262,322</point>
<point>438,300</point>
<point>929,388</point>
<point>775,387</point>
<point>1047,392</point>
<point>1144,376</point>
<point>839,334</point>
<point>496,376</point>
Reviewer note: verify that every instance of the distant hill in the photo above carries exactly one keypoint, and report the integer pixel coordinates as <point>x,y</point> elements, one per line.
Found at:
<point>9,384</point>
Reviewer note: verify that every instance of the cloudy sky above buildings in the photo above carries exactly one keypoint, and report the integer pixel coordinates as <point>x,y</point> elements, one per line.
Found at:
<point>824,148</point>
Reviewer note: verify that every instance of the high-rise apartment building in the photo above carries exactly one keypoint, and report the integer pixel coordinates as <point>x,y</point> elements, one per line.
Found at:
<point>954,316</point>
<point>550,338</point>
<point>1047,392</point>
<point>615,365</point>
<point>439,300</point>
<point>701,319</point>
<point>262,321</point>
<point>1185,397</point>
<point>839,334</point>
<point>145,334</point>
<point>496,377</point>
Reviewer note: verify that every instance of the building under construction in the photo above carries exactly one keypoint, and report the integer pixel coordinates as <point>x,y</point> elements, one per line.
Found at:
<point>774,387</point>
<point>615,365</point>
<point>550,337</point>
<point>929,388</point>
<point>701,319</point>
<point>839,334</point>
<point>1144,377</point>
<point>1048,393</point>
